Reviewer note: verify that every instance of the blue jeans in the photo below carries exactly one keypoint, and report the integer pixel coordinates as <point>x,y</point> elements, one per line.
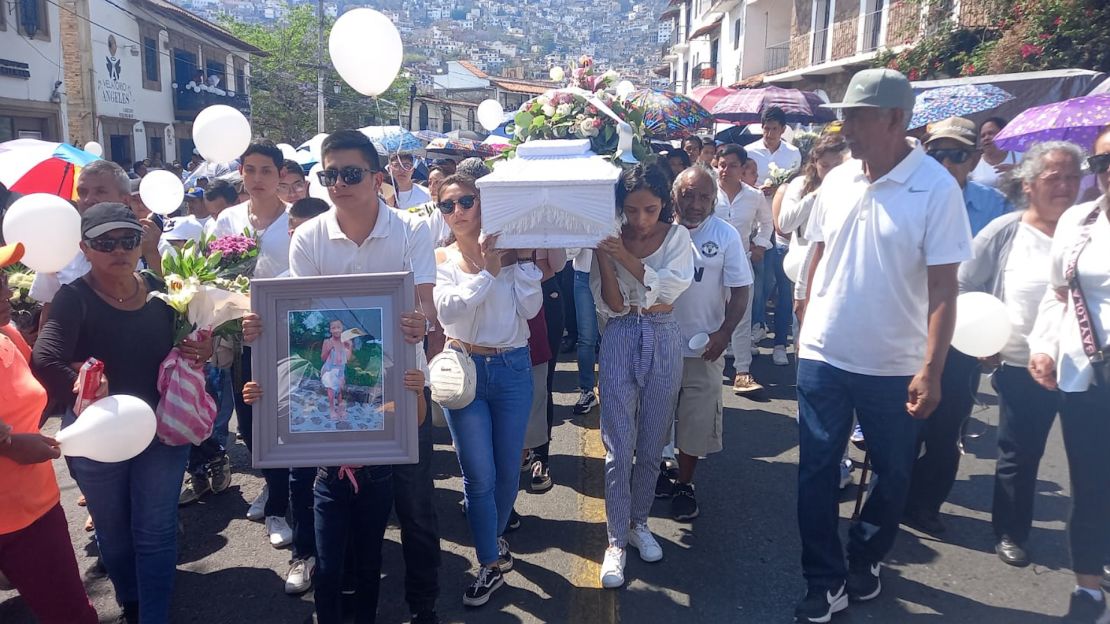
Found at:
<point>345,520</point>
<point>588,335</point>
<point>760,288</point>
<point>219,386</point>
<point>784,293</point>
<point>827,399</point>
<point>489,436</point>
<point>134,506</point>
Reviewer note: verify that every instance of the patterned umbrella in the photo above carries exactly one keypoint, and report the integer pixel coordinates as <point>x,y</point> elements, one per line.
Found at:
<point>747,106</point>
<point>941,103</point>
<point>33,166</point>
<point>1077,120</point>
<point>429,135</point>
<point>669,115</point>
<point>393,139</point>
<point>463,147</point>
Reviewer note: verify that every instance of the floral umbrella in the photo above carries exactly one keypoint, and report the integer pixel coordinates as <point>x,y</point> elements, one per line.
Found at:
<point>747,106</point>
<point>1077,120</point>
<point>941,103</point>
<point>463,147</point>
<point>669,115</point>
<point>33,166</point>
<point>393,139</point>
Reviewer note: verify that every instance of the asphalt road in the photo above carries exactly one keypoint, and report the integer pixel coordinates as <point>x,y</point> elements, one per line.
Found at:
<point>738,562</point>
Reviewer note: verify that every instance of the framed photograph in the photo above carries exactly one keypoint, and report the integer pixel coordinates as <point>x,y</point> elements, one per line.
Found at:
<point>331,362</point>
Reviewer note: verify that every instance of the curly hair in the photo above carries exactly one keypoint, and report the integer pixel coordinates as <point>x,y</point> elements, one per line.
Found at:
<point>651,178</point>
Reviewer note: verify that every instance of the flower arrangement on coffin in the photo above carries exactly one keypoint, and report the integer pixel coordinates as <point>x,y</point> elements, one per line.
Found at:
<point>573,113</point>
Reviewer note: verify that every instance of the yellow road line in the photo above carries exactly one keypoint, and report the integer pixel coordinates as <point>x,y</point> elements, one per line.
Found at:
<point>591,604</point>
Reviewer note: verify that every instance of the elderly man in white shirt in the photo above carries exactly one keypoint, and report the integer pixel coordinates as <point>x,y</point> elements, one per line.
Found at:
<point>889,230</point>
<point>747,210</point>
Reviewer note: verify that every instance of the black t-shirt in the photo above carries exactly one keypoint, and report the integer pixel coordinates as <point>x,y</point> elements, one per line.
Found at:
<point>132,344</point>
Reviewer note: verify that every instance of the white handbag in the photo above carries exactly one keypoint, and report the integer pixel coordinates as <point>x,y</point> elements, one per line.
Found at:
<point>452,376</point>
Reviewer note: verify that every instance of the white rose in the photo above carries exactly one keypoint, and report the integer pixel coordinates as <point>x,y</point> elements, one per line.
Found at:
<point>563,110</point>
<point>548,110</point>
<point>586,128</point>
<point>610,75</point>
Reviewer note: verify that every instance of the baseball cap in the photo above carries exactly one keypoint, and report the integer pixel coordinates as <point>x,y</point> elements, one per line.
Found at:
<point>194,193</point>
<point>957,128</point>
<point>135,185</point>
<point>877,88</point>
<point>107,216</point>
<point>10,254</point>
<point>182,229</point>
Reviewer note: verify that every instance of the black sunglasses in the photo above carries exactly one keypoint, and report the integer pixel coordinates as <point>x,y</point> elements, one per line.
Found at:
<point>1099,163</point>
<point>447,206</point>
<point>957,156</point>
<point>350,175</point>
<point>108,245</point>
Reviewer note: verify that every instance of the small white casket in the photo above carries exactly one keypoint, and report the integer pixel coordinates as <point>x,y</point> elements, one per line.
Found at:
<point>554,194</point>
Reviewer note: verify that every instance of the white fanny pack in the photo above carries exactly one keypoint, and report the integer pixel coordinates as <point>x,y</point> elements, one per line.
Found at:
<point>452,376</point>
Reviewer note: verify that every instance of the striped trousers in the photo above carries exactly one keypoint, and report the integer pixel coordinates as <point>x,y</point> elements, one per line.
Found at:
<point>639,379</point>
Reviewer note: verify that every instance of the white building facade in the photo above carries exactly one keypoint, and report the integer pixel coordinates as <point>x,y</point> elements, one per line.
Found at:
<point>31,72</point>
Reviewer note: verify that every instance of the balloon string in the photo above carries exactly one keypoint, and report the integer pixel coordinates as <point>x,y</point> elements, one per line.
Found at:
<point>392,180</point>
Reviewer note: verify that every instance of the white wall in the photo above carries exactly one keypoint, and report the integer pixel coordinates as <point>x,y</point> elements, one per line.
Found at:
<point>44,71</point>
<point>124,95</point>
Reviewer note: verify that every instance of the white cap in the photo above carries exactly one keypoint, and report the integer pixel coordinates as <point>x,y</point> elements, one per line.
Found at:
<point>182,229</point>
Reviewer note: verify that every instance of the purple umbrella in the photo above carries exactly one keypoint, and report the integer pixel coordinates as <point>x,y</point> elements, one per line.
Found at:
<point>747,106</point>
<point>1077,120</point>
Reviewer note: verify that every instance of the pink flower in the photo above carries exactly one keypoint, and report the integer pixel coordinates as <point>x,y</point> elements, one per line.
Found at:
<point>1028,50</point>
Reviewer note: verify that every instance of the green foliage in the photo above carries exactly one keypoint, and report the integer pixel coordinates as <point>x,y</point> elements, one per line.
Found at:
<point>283,84</point>
<point>363,369</point>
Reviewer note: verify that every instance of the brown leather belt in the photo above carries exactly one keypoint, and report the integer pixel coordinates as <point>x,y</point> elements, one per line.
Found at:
<point>480,350</point>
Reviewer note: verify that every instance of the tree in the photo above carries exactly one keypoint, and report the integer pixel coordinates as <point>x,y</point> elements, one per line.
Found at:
<point>283,83</point>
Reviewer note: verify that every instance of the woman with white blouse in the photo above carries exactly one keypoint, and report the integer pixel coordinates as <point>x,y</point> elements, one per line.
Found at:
<point>635,280</point>
<point>484,297</point>
<point>995,162</point>
<point>1074,360</point>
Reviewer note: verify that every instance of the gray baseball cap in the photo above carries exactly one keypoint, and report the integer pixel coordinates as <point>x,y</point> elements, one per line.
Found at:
<point>877,88</point>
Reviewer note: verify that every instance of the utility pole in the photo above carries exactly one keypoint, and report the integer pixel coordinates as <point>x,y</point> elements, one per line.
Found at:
<point>320,66</point>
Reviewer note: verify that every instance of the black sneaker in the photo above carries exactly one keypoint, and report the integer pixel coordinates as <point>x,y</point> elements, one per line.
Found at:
<point>488,581</point>
<point>587,400</point>
<point>219,473</point>
<point>541,477</point>
<point>820,604</point>
<point>684,507</point>
<point>863,581</point>
<point>1086,609</point>
<point>514,522</point>
<point>129,613</point>
<point>526,463</point>
<point>504,557</point>
<point>424,617</point>
<point>568,345</point>
<point>664,487</point>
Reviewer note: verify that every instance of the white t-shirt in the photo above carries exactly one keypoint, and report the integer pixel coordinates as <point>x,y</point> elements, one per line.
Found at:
<point>869,304</point>
<point>785,157</point>
<point>583,260</point>
<point>748,212</point>
<point>719,264</point>
<point>985,174</point>
<point>438,228</point>
<point>46,285</point>
<point>413,197</point>
<point>1024,280</point>
<point>273,252</point>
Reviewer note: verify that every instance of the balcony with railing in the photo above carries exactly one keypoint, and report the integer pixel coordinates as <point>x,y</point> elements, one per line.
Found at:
<point>705,74</point>
<point>777,58</point>
<point>188,101</point>
<point>872,35</point>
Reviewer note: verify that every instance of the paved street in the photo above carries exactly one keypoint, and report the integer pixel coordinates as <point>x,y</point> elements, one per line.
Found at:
<point>738,562</point>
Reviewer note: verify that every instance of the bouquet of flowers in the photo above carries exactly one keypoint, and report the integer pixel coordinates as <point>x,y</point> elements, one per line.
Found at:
<point>238,254</point>
<point>777,176</point>
<point>572,113</point>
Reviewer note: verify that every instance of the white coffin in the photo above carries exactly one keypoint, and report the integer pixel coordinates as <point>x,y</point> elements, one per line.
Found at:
<point>554,194</point>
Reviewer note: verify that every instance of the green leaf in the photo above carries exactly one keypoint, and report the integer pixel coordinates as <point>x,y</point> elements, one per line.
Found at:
<point>523,119</point>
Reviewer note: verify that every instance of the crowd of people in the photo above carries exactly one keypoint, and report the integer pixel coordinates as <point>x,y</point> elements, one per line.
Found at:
<point>892,227</point>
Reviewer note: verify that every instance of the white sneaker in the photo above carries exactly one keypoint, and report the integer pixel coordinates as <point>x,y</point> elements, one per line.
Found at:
<point>779,356</point>
<point>299,578</point>
<point>278,530</point>
<point>257,510</point>
<point>759,332</point>
<point>845,473</point>
<point>642,540</point>
<point>612,568</point>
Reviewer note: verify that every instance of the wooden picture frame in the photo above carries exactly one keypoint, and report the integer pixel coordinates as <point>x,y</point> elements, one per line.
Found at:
<point>331,362</point>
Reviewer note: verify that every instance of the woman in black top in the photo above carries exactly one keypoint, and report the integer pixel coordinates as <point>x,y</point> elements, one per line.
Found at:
<point>108,315</point>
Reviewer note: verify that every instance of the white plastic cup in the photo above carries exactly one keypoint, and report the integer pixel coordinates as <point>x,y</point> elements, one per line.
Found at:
<point>699,341</point>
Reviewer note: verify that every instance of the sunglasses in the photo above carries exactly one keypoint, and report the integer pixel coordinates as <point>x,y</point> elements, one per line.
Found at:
<point>957,156</point>
<point>350,175</point>
<point>108,245</point>
<point>1099,163</point>
<point>447,206</point>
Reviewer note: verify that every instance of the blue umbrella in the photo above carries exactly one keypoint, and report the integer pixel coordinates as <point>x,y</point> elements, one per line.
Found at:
<point>398,143</point>
<point>941,103</point>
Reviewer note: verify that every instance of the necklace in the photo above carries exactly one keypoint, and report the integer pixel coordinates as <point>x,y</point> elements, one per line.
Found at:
<point>480,267</point>
<point>119,299</point>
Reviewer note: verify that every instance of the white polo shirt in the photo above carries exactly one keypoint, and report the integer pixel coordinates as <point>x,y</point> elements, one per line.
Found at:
<point>273,246</point>
<point>748,212</point>
<point>785,157</point>
<point>719,264</point>
<point>869,306</point>
<point>413,197</point>
<point>396,244</point>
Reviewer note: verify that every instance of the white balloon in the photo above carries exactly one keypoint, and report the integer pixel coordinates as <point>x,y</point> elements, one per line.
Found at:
<point>793,261</point>
<point>49,228</point>
<point>221,133</point>
<point>287,150</point>
<point>983,325</point>
<point>94,148</point>
<point>366,50</point>
<point>557,74</point>
<point>162,191</point>
<point>490,114</point>
<point>625,88</point>
<point>114,429</point>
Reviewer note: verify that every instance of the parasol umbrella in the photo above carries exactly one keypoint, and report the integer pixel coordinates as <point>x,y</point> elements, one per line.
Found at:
<point>1077,120</point>
<point>463,147</point>
<point>392,139</point>
<point>747,106</point>
<point>669,115</point>
<point>34,166</point>
<point>429,135</point>
<point>934,105</point>
<point>709,96</point>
